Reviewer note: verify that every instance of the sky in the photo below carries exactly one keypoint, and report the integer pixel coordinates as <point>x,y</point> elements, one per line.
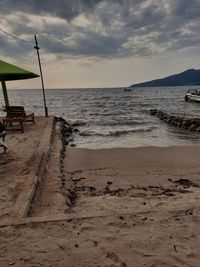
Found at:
<point>100,43</point>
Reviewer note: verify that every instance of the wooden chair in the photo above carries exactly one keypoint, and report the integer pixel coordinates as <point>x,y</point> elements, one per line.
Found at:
<point>17,114</point>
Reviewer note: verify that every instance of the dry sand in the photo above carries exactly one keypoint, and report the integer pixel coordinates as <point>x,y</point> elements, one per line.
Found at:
<point>130,208</point>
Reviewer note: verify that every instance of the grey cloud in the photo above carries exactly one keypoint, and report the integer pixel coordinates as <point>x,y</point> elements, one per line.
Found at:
<point>14,49</point>
<point>119,28</point>
<point>87,44</point>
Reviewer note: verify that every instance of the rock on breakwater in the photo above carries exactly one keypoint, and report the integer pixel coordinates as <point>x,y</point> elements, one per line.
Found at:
<point>188,122</point>
<point>66,131</point>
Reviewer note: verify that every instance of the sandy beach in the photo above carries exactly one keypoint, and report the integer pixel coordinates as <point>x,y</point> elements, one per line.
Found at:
<point>109,207</point>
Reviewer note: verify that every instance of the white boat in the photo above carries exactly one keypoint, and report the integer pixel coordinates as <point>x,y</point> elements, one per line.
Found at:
<point>192,95</point>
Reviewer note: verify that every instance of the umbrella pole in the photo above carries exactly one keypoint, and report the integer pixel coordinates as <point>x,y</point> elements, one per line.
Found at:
<point>5,93</point>
<point>41,75</point>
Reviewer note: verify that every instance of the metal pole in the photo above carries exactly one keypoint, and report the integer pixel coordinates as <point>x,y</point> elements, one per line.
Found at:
<point>41,75</point>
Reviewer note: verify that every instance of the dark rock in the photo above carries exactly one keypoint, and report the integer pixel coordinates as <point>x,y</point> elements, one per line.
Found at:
<point>185,182</point>
<point>66,142</point>
<point>72,196</point>
<point>192,127</point>
<point>73,145</point>
<point>144,219</point>
<point>95,243</point>
<point>188,212</point>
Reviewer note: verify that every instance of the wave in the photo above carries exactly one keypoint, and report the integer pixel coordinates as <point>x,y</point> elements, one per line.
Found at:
<point>117,133</point>
<point>76,123</point>
<point>119,123</point>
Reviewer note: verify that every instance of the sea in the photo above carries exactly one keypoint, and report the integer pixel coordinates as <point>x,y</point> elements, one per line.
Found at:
<point>114,117</point>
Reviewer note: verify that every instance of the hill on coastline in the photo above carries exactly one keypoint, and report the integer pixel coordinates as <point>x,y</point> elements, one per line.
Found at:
<point>188,77</point>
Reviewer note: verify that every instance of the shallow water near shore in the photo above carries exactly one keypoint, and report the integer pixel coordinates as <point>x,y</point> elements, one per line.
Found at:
<point>112,117</point>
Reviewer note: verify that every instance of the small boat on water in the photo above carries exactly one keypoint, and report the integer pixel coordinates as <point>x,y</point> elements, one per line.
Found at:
<point>127,90</point>
<point>192,95</point>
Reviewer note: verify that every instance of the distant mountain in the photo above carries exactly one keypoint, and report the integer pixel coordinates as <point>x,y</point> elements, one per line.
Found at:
<point>188,77</point>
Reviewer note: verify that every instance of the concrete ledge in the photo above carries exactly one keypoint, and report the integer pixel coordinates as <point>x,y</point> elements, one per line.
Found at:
<point>35,177</point>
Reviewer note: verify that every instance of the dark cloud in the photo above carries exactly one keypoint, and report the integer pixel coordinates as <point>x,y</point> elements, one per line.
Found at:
<point>12,48</point>
<point>102,28</point>
<point>187,9</point>
<point>67,9</point>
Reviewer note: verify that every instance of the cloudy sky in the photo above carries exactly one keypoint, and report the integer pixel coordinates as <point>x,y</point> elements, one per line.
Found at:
<point>100,43</point>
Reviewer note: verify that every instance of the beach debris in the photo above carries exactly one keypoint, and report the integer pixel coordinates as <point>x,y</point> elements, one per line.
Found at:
<point>72,196</point>
<point>175,248</point>
<point>189,212</point>
<point>95,243</point>
<point>178,220</point>
<point>144,219</point>
<point>112,256</point>
<point>132,192</point>
<point>186,183</point>
<point>115,258</point>
<point>168,192</point>
<point>62,247</point>
<point>78,179</point>
<point>85,188</point>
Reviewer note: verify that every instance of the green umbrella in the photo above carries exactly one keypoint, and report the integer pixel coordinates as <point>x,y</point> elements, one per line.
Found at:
<point>9,72</point>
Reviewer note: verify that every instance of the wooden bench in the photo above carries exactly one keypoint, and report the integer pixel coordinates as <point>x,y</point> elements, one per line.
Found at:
<point>19,112</point>
<point>17,115</point>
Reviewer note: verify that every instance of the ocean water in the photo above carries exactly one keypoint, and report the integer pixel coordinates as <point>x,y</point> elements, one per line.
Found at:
<point>112,117</point>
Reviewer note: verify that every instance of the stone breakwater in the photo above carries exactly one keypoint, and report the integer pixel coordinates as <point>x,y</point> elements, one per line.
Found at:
<point>187,122</point>
<point>67,132</point>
